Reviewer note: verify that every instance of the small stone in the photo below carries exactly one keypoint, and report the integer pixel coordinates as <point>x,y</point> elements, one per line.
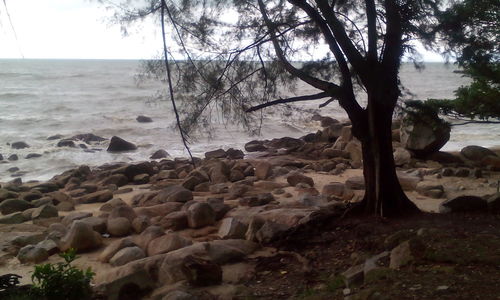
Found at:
<point>143,119</point>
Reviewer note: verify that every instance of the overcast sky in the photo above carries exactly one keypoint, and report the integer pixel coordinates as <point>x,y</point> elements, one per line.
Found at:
<point>76,29</point>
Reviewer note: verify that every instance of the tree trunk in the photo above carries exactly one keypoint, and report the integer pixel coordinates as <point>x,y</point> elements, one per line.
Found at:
<point>384,195</point>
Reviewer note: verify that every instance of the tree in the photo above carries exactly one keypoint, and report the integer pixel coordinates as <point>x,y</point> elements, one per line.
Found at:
<point>245,49</point>
<point>471,32</point>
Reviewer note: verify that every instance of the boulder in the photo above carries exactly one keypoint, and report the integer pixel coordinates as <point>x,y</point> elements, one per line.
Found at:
<point>96,197</point>
<point>255,146</point>
<point>32,254</point>
<point>464,203</point>
<point>219,207</point>
<point>114,247</point>
<point>143,119</point>
<point>19,145</point>
<point>140,223</point>
<point>476,153</point>
<point>167,243</point>
<point>158,210</point>
<point>110,204</point>
<point>355,183</point>
<point>98,224</point>
<point>13,157</point>
<point>424,136</point>
<point>136,169</point>
<point>44,212</point>
<point>354,275</point>
<point>234,154</point>
<point>127,255</point>
<point>141,179</point>
<point>32,155</point>
<point>13,218</point>
<point>124,211</point>
<point>200,215</point>
<point>6,194</point>
<point>174,193</point>
<point>66,143</point>
<point>257,200</point>
<point>70,218</point>
<point>149,234</point>
<point>118,226</point>
<point>201,272</point>
<point>219,153</point>
<point>159,154</point>
<point>430,189</point>
<point>406,252</point>
<point>118,145</point>
<point>174,221</point>
<point>88,138</point>
<point>116,179</point>
<point>231,228</point>
<point>335,189</point>
<point>263,170</point>
<point>49,245</point>
<point>14,205</point>
<point>81,237</point>
<point>401,157</point>
<point>296,178</point>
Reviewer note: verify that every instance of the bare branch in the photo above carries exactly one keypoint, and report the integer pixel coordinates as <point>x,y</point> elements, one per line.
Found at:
<point>289,100</point>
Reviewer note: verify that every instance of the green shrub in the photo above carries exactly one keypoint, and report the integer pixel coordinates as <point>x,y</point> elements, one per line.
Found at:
<point>62,281</point>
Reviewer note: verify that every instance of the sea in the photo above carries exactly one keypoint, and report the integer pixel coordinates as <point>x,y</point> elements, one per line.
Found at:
<point>42,98</point>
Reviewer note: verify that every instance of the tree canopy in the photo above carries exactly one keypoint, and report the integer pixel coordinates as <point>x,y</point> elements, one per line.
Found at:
<point>242,55</point>
<point>471,31</point>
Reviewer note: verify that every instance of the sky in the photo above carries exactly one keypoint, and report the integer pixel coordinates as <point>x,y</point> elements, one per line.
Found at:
<point>78,29</point>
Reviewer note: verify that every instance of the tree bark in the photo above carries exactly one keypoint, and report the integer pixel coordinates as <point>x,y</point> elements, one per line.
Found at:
<point>384,195</point>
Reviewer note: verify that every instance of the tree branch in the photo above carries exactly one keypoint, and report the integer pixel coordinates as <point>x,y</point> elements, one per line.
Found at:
<point>289,100</point>
<point>313,81</point>
<point>371,16</point>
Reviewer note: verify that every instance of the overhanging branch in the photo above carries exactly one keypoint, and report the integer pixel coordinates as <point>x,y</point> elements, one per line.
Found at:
<point>289,100</point>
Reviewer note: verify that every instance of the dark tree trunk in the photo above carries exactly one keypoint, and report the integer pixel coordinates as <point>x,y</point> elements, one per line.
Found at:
<point>384,195</point>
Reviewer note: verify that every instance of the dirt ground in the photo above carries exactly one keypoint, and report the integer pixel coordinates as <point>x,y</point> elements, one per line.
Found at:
<point>461,260</point>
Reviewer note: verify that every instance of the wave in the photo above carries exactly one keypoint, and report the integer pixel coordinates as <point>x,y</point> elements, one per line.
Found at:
<point>8,96</point>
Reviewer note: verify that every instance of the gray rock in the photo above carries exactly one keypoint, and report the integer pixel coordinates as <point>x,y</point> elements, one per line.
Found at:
<point>81,237</point>
<point>118,144</point>
<point>96,197</point>
<point>174,194</point>
<point>255,146</point>
<point>424,136</point>
<point>13,157</point>
<point>127,255</point>
<point>66,143</point>
<point>70,218</point>
<point>354,275</point>
<point>175,221</point>
<point>159,154</point>
<point>49,245</point>
<point>270,231</point>
<point>19,145</point>
<point>335,189</point>
<point>401,156</point>
<point>476,153</point>
<point>200,215</point>
<point>355,183</point>
<point>32,155</point>
<point>117,179</point>
<point>124,211</point>
<point>118,226</point>
<point>263,170</point>
<point>97,224</point>
<point>296,178</point>
<point>13,218</point>
<point>143,119</point>
<point>149,234</point>
<point>44,212</point>
<point>405,253</point>
<point>219,153</point>
<point>140,223</point>
<point>231,228</point>
<point>167,243</point>
<point>464,203</point>
<point>430,189</point>
<point>14,205</point>
<point>234,153</point>
<point>32,254</point>
<point>114,247</point>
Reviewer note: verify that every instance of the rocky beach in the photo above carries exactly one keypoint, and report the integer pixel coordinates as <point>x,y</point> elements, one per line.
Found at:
<point>168,229</point>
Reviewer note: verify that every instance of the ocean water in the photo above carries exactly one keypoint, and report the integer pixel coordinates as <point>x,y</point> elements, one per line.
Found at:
<point>41,98</point>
